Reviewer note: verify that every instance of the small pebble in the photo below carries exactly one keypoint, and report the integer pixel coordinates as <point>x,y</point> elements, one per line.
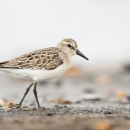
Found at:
<point>49,114</point>
<point>2,102</point>
<point>25,109</point>
<point>24,106</point>
<point>107,112</point>
<point>57,105</point>
<point>10,104</point>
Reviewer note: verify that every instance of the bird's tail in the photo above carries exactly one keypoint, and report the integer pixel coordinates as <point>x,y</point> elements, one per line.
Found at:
<point>7,65</point>
<point>2,64</point>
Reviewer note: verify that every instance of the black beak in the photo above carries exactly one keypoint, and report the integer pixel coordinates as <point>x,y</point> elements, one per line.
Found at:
<point>81,54</point>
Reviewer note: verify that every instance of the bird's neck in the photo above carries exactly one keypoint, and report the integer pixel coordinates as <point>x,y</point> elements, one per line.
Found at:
<point>65,57</point>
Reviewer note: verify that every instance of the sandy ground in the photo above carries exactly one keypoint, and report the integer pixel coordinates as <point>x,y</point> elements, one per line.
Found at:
<point>96,100</point>
<point>66,118</point>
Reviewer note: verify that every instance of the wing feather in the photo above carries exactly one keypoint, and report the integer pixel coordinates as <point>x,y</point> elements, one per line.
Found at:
<point>47,59</point>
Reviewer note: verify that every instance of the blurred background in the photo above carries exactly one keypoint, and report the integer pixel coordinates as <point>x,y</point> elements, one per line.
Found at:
<point>101,29</point>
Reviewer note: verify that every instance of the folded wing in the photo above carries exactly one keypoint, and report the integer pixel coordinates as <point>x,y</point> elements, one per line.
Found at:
<point>46,59</point>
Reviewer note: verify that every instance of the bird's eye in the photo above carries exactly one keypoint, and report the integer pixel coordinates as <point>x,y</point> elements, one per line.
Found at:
<point>69,45</point>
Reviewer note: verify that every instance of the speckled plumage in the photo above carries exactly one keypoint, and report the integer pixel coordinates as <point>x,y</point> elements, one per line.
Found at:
<point>48,58</point>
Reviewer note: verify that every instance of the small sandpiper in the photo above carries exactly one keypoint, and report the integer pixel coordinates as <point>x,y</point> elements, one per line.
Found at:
<point>43,64</point>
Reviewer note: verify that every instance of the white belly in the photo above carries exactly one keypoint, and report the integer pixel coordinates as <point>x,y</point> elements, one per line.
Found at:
<point>37,75</point>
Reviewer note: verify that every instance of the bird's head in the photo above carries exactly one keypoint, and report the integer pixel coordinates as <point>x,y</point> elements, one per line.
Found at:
<point>70,47</point>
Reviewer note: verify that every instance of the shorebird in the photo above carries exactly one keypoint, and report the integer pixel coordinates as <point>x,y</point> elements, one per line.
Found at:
<point>43,64</point>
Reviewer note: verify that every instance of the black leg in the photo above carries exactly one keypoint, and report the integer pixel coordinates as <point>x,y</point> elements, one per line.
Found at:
<point>27,90</point>
<point>35,93</point>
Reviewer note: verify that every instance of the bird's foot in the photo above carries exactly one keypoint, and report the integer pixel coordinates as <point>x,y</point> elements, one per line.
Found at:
<point>16,106</point>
